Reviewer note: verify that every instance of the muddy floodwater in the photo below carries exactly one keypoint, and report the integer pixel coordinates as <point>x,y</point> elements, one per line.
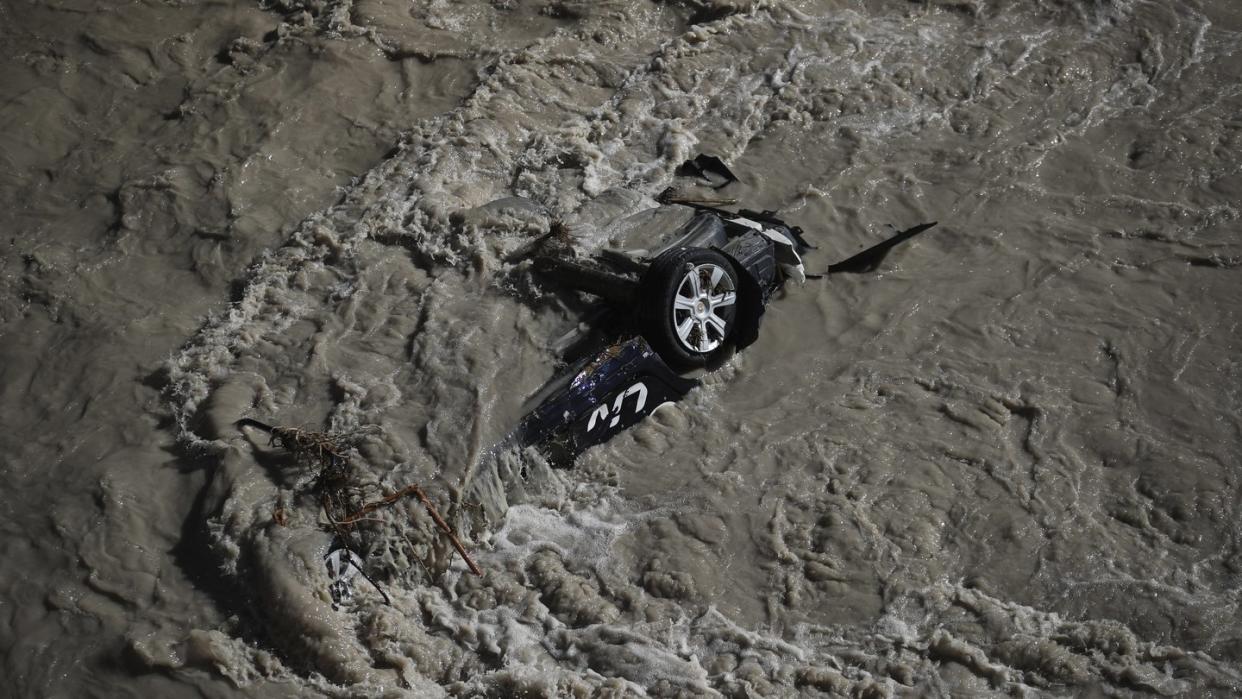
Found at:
<point>1007,462</point>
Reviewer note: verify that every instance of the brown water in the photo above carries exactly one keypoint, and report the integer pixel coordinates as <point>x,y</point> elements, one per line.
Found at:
<point>1005,463</point>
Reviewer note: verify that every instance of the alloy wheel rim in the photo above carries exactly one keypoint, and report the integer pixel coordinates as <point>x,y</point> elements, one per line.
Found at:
<point>704,292</point>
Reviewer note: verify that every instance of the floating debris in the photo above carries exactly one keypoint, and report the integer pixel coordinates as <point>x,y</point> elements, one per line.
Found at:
<point>343,500</point>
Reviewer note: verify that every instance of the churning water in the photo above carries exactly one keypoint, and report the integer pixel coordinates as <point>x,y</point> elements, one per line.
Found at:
<point>1008,462</point>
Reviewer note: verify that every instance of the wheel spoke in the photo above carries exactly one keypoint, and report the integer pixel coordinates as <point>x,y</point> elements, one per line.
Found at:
<point>684,327</point>
<point>728,298</point>
<point>717,323</point>
<point>695,285</point>
<point>704,344</point>
<point>717,273</point>
<point>683,303</point>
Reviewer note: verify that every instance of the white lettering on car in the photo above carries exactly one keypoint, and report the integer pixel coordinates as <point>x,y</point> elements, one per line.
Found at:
<point>602,411</point>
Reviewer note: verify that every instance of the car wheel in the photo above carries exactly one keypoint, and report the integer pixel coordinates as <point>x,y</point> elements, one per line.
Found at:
<point>689,305</point>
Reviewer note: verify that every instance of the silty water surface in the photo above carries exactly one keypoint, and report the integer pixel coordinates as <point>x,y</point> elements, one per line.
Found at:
<point>1005,462</point>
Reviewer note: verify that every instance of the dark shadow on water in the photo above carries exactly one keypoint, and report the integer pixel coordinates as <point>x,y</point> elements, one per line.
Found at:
<point>193,556</point>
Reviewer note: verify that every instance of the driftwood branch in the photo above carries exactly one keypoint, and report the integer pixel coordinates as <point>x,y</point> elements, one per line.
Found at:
<point>333,482</point>
<point>417,492</point>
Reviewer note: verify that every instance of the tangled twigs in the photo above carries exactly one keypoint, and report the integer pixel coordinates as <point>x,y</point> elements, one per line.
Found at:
<point>431,509</point>
<point>339,494</point>
<point>316,446</point>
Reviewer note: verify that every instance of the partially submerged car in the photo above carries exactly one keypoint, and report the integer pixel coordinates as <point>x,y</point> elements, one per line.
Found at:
<point>666,310</point>
<point>671,304</point>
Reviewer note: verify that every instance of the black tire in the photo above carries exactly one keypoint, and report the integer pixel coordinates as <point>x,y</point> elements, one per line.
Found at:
<point>689,325</point>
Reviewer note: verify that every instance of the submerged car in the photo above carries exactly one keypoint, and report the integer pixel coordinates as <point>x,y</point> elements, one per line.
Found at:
<point>672,303</point>
<point>666,310</point>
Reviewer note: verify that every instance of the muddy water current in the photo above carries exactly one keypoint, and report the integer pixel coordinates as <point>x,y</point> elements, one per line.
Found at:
<point>1006,462</point>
